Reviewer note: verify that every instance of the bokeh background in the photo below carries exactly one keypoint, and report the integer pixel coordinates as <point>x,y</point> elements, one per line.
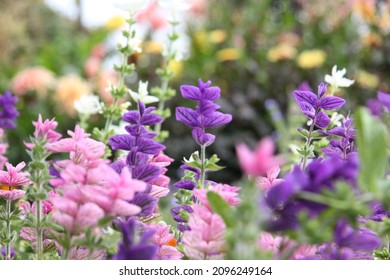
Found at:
<point>257,51</point>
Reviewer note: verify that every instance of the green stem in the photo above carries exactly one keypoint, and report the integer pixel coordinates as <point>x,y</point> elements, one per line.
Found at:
<point>202,165</point>
<point>39,230</point>
<point>307,144</point>
<point>8,225</point>
<point>161,104</point>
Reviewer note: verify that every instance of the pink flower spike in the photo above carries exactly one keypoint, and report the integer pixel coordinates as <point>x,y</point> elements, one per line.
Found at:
<point>257,162</point>
<point>228,193</point>
<point>13,177</point>
<point>266,182</point>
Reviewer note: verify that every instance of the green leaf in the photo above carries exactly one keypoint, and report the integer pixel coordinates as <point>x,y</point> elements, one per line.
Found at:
<point>221,207</point>
<point>372,148</point>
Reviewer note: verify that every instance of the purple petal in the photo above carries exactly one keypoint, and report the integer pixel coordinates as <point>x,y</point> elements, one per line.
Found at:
<point>339,131</point>
<point>149,146</point>
<point>322,120</point>
<point>217,119</point>
<point>188,116</point>
<point>202,138</point>
<point>384,98</point>
<point>331,102</point>
<point>321,89</point>
<point>207,107</point>
<point>146,202</point>
<point>122,142</point>
<point>146,172</point>
<point>117,166</point>
<point>132,117</point>
<point>150,119</point>
<point>136,130</point>
<point>211,93</point>
<point>190,92</point>
<point>307,109</point>
<point>305,97</point>
<point>185,184</point>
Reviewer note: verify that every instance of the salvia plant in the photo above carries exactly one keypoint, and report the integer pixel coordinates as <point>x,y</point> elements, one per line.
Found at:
<point>326,195</point>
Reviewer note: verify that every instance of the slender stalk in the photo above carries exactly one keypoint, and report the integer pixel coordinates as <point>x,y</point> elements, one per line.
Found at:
<point>308,142</point>
<point>161,104</point>
<point>39,231</point>
<point>8,225</point>
<point>202,165</point>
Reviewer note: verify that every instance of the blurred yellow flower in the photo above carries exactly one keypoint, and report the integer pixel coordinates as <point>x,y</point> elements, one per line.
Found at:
<point>201,41</point>
<point>367,80</point>
<point>152,47</point>
<point>115,23</point>
<point>217,36</point>
<point>228,54</point>
<point>311,58</point>
<point>283,51</point>
<point>176,66</point>
<point>69,89</point>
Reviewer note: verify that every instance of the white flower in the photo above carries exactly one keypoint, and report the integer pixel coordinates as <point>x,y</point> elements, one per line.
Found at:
<point>337,79</point>
<point>143,94</point>
<point>88,105</point>
<point>175,5</point>
<point>130,5</point>
<point>134,44</point>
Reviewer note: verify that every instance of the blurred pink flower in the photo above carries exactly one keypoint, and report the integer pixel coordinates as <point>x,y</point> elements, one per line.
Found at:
<point>228,193</point>
<point>153,16</point>
<point>266,182</point>
<point>198,7</point>
<point>206,239</point>
<point>166,243</point>
<point>3,150</point>
<point>92,66</point>
<point>257,162</point>
<point>37,79</point>
<point>104,79</point>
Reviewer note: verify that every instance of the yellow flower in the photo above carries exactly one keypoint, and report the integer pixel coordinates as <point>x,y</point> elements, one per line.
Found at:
<point>311,58</point>
<point>152,47</point>
<point>217,36</point>
<point>115,23</point>
<point>176,66</point>
<point>283,51</point>
<point>69,89</point>
<point>228,54</point>
<point>367,80</point>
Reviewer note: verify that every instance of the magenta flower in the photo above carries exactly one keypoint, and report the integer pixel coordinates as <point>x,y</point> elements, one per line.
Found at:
<point>206,239</point>
<point>266,182</point>
<point>11,179</point>
<point>258,162</point>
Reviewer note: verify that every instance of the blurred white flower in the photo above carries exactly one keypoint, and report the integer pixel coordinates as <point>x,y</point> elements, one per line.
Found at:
<point>175,6</point>
<point>135,44</point>
<point>143,94</point>
<point>130,5</point>
<point>337,79</point>
<point>88,105</point>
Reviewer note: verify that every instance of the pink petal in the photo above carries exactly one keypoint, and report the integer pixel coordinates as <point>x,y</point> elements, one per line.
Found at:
<point>124,208</point>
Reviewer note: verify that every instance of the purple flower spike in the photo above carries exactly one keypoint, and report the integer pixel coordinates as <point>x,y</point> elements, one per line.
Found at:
<point>205,115</point>
<point>8,112</point>
<point>312,105</point>
<point>185,184</point>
